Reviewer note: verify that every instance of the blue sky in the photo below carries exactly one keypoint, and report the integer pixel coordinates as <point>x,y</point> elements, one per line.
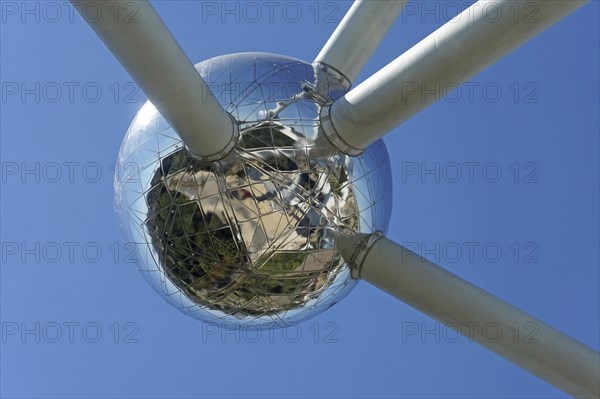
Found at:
<point>533,117</point>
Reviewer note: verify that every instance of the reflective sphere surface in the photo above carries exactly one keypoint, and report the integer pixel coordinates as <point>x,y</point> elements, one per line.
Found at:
<point>250,239</point>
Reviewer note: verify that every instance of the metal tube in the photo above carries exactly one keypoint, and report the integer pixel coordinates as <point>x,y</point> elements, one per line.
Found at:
<point>358,35</point>
<point>477,37</point>
<point>138,38</point>
<point>551,355</point>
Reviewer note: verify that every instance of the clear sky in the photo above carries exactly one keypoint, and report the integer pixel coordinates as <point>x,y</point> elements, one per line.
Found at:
<point>66,103</point>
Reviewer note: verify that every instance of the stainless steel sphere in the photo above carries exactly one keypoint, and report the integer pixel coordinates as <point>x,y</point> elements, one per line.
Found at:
<point>250,239</point>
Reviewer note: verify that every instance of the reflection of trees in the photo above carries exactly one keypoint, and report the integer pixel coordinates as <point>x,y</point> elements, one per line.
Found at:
<point>199,250</point>
<point>196,247</point>
<point>265,135</point>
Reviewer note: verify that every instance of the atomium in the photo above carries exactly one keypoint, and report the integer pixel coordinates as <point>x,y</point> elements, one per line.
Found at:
<point>275,177</point>
<point>251,239</point>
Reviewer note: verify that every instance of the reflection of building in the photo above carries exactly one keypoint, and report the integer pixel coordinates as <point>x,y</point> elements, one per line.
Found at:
<point>256,237</point>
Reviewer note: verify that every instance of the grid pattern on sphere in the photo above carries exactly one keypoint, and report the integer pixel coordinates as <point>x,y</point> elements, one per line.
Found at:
<point>250,239</point>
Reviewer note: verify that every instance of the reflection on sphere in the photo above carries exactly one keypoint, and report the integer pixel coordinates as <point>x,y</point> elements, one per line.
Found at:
<point>250,239</point>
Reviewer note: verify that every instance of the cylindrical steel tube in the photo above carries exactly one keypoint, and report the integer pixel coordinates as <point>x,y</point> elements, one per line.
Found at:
<point>138,38</point>
<point>551,355</point>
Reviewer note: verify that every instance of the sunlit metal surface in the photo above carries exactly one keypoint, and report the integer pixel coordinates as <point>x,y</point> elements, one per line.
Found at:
<point>250,239</point>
